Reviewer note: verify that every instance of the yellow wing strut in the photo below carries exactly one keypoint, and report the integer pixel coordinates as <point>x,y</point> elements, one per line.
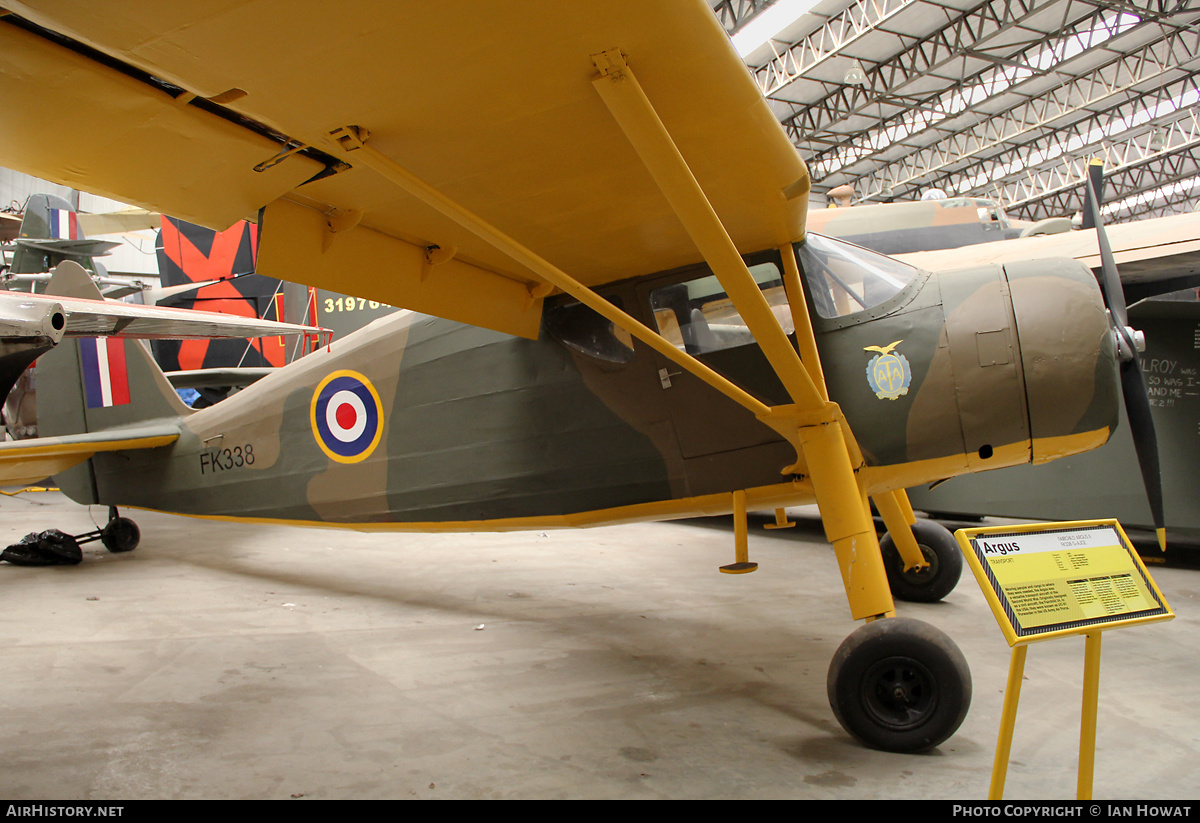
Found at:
<point>636,116</point>
<point>813,424</point>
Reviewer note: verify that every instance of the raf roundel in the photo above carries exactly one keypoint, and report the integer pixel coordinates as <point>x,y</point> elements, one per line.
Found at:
<point>346,416</point>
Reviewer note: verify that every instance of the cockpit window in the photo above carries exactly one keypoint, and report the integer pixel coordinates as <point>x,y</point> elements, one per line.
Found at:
<point>845,278</point>
<point>698,317</point>
<point>583,330</point>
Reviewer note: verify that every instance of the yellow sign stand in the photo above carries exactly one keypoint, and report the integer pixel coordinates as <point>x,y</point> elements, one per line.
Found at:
<point>1053,580</point>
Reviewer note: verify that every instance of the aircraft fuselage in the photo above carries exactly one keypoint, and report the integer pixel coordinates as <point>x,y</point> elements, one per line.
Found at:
<point>424,423</point>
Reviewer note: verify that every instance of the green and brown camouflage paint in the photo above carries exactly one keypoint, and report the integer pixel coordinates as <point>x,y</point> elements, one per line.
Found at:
<point>479,427</point>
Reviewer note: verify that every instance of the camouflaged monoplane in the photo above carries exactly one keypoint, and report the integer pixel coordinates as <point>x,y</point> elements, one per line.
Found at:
<point>613,313</point>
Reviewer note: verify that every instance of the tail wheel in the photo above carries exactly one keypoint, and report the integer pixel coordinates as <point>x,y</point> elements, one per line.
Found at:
<point>899,685</point>
<point>120,535</point>
<point>942,554</point>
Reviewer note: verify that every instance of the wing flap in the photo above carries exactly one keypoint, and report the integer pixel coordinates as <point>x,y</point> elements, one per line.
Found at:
<point>26,461</point>
<point>130,141</point>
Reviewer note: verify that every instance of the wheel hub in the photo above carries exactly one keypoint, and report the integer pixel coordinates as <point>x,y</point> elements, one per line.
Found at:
<point>924,575</point>
<point>899,693</point>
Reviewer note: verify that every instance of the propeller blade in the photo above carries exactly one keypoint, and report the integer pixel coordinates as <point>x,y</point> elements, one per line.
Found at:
<point>1096,196</point>
<point>1110,279</point>
<point>1145,441</point>
<point>1133,380</point>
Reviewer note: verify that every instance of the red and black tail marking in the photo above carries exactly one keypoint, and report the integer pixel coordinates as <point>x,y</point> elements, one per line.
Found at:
<point>192,254</point>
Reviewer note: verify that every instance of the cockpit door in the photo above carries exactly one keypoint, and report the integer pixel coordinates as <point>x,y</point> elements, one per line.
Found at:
<point>691,310</point>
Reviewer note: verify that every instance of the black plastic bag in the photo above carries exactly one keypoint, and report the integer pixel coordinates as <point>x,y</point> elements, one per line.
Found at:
<point>49,548</point>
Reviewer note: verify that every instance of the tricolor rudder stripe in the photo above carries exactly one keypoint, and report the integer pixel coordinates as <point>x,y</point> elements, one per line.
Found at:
<point>105,376</point>
<point>63,224</point>
<point>346,416</point>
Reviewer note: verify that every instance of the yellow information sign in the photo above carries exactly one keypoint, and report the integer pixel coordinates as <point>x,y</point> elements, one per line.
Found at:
<point>1051,579</point>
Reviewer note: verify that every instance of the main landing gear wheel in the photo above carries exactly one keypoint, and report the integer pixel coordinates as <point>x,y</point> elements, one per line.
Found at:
<point>899,685</point>
<point>942,554</point>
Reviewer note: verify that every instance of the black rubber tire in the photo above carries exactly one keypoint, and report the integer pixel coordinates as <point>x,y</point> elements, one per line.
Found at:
<point>899,685</point>
<point>927,585</point>
<point>120,535</point>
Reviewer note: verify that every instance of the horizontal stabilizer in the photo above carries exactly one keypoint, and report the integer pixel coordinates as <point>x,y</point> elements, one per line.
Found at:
<point>216,378</point>
<point>119,222</point>
<point>26,461</point>
<point>70,248</point>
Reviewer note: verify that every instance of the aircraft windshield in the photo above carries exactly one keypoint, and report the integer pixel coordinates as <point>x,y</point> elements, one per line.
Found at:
<point>845,278</point>
<point>698,317</point>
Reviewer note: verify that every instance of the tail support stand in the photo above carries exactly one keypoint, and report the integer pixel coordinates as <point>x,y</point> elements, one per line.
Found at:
<point>120,534</point>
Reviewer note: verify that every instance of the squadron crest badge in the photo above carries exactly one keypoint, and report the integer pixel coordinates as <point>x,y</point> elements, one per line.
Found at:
<point>888,373</point>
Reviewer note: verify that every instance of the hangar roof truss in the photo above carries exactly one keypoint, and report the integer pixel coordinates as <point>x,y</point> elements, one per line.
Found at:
<point>1008,99</point>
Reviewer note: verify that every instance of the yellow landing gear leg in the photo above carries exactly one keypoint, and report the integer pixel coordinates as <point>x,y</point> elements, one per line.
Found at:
<point>847,521</point>
<point>884,681</point>
<point>894,684</point>
<point>922,558</point>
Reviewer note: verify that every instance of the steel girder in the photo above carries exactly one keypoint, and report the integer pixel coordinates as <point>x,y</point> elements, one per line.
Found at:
<point>959,100</point>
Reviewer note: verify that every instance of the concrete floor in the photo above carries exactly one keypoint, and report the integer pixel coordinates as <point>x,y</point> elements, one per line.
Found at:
<point>233,661</point>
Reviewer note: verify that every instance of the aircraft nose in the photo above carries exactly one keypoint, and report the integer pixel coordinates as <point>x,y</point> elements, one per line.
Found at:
<point>34,317</point>
<point>1068,356</point>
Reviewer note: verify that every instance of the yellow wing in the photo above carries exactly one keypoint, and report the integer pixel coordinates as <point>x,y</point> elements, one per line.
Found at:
<point>172,106</point>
